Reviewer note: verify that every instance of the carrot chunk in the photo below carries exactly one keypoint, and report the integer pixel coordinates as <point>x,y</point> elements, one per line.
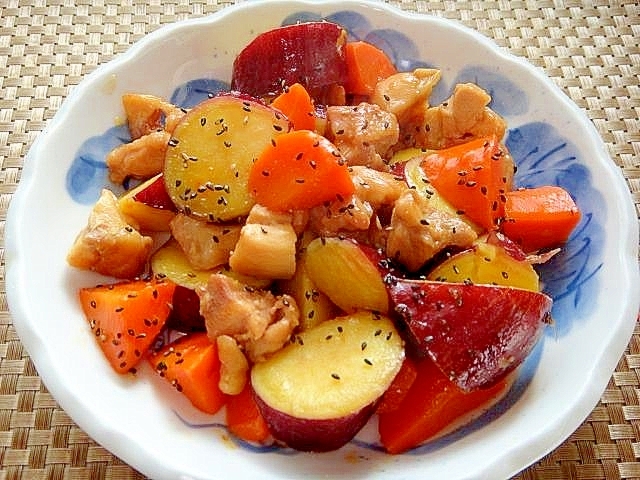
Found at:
<point>295,102</point>
<point>191,364</point>
<point>473,177</point>
<point>126,317</point>
<point>399,388</point>
<point>432,404</point>
<point>366,66</point>
<point>299,170</point>
<point>540,217</point>
<point>244,419</point>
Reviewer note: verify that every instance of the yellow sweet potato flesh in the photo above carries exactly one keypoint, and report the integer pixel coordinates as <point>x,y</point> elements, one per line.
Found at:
<point>487,264</point>
<point>341,270</point>
<point>334,369</point>
<point>209,156</point>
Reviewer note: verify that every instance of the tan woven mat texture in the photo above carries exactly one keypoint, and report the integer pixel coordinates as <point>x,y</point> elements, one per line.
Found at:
<point>591,49</point>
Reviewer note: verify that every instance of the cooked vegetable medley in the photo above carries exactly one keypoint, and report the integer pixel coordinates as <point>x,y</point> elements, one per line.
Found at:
<point>333,247</point>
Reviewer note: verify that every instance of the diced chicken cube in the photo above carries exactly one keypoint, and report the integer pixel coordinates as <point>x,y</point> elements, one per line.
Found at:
<point>463,117</point>
<point>140,159</point>
<point>350,214</point>
<point>108,244</point>
<point>206,245</point>
<point>286,317</point>
<point>418,231</point>
<point>234,366</point>
<point>374,190</point>
<point>148,113</point>
<point>364,134</point>
<point>266,247</point>
<point>401,92</point>
<point>375,187</point>
<point>258,320</point>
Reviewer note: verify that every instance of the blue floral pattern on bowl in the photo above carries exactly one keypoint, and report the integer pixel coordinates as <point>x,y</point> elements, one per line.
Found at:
<point>542,156</point>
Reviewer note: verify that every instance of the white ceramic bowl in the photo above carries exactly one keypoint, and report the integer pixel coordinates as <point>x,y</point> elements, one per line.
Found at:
<point>595,282</point>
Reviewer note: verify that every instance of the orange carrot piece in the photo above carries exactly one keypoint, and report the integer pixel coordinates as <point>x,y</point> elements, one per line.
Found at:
<point>399,388</point>
<point>192,366</point>
<point>432,404</point>
<point>540,217</point>
<point>295,102</point>
<point>366,66</point>
<point>299,170</point>
<point>126,317</point>
<point>244,419</point>
<point>471,177</point>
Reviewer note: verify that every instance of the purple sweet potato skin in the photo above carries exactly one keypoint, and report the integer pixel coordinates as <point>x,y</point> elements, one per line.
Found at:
<point>476,334</point>
<point>311,54</point>
<point>313,435</point>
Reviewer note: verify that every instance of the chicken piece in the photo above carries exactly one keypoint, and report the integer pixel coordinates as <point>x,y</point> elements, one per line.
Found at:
<point>364,134</point>
<point>234,367</point>
<point>463,117</point>
<point>258,320</point>
<point>108,244</point>
<point>350,214</point>
<point>400,92</point>
<point>148,113</point>
<point>418,231</point>
<point>286,317</point>
<point>266,247</point>
<point>206,245</point>
<point>375,187</point>
<point>231,308</point>
<point>140,159</point>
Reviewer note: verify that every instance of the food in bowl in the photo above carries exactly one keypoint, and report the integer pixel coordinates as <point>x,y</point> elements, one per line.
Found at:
<point>351,249</point>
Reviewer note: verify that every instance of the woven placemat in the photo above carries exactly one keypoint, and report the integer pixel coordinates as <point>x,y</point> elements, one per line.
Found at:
<point>591,49</point>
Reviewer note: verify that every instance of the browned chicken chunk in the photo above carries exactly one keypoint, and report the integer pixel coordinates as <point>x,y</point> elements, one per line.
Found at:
<point>266,247</point>
<point>108,244</point>
<point>233,365</point>
<point>258,320</point>
<point>364,134</point>
<point>148,113</point>
<point>140,159</point>
<point>374,189</point>
<point>401,92</point>
<point>418,231</point>
<point>463,117</point>
<point>206,245</point>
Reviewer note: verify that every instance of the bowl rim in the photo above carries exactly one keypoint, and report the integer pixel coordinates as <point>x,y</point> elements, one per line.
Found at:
<point>16,298</point>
